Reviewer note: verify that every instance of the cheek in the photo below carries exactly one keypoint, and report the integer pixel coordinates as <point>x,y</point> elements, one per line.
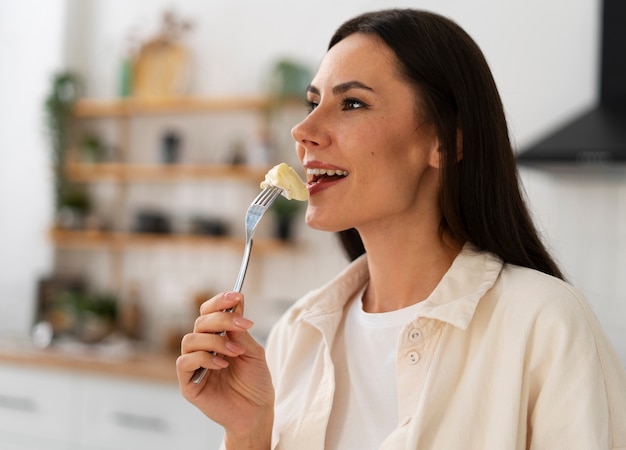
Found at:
<point>397,171</point>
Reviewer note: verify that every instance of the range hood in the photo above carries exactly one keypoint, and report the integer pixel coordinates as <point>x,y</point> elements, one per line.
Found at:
<point>597,137</point>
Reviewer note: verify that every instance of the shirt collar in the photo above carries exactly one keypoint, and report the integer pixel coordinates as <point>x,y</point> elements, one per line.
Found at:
<point>470,276</point>
<point>454,300</point>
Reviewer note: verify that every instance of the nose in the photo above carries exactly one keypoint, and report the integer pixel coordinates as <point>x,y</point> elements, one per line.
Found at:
<point>311,132</point>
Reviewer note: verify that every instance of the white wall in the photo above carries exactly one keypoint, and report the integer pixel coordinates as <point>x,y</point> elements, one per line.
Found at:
<point>31,49</point>
<point>543,54</point>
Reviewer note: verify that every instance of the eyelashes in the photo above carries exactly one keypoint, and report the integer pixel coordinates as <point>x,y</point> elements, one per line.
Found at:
<point>352,104</point>
<point>346,104</point>
<point>310,106</point>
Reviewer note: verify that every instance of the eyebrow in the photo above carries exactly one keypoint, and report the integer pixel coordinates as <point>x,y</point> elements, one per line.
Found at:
<point>341,88</point>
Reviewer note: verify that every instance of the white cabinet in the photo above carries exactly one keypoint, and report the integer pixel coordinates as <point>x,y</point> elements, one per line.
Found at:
<point>117,414</point>
<point>42,409</point>
<point>36,408</point>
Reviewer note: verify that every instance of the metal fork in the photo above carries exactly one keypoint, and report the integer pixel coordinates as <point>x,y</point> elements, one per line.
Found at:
<point>255,212</point>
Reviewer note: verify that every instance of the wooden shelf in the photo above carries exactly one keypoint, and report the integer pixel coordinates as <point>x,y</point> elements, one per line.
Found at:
<point>117,240</point>
<point>87,108</point>
<point>81,172</point>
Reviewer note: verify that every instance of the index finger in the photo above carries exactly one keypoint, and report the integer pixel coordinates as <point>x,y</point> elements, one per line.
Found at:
<point>222,302</point>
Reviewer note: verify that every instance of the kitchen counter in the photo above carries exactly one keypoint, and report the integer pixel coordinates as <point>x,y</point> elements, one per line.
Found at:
<point>147,366</point>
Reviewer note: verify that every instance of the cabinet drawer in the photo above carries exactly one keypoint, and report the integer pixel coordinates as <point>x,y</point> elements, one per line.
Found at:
<point>118,414</point>
<point>35,404</point>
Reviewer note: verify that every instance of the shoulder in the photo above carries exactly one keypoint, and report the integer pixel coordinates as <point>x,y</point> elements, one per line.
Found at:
<point>544,311</point>
<point>536,282</point>
<point>534,290</point>
<point>550,315</point>
<point>546,325</point>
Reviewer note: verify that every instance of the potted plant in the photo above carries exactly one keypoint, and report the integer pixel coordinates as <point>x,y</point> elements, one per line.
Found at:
<point>284,212</point>
<point>69,199</point>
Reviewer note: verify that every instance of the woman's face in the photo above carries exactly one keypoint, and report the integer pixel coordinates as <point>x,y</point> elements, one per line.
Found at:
<point>370,156</point>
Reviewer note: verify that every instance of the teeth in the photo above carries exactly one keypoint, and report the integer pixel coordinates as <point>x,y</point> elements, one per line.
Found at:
<point>329,172</point>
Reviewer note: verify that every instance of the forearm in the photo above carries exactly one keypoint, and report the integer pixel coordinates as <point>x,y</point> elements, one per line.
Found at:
<point>259,438</point>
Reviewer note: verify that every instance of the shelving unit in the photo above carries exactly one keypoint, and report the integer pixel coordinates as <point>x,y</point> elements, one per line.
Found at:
<point>136,170</point>
<point>125,174</point>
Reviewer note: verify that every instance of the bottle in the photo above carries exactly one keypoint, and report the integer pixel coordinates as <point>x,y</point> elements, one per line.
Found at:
<point>131,315</point>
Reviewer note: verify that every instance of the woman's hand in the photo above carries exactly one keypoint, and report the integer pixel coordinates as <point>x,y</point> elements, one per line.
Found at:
<point>237,390</point>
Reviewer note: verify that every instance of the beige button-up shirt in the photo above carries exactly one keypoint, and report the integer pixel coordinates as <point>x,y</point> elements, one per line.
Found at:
<point>500,357</point>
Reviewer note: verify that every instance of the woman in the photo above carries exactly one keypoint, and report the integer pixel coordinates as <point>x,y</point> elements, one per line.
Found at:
<point>452,328</point>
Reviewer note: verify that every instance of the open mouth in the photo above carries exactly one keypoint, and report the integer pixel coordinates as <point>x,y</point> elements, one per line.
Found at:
<point>320,175</point>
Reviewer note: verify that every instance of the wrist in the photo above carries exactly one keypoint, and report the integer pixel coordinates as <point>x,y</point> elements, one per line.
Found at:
<point>257,438</point>
<point>247,443</point>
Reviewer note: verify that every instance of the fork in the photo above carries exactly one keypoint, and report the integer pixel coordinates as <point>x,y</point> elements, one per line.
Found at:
<point>255,212</point>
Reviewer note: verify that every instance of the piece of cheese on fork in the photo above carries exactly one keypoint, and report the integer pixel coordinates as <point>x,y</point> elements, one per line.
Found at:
<point>285,177</point>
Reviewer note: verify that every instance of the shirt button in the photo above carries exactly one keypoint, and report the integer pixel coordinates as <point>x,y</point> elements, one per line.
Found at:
<point>414,335</point>
<point>413,358</point>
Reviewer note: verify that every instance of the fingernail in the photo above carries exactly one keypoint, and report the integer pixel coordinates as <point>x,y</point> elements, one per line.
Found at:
<point>232,296</point>
<point>242,322</point>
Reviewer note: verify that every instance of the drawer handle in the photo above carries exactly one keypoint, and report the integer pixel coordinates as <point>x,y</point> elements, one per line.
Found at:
<point>23,404</point>
<point>140,422</point>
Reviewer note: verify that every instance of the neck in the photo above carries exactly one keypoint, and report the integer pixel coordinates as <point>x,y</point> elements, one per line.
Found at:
<point>404,272</point>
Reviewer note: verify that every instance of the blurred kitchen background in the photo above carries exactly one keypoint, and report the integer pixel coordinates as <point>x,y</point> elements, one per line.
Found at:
<point>133,136</point>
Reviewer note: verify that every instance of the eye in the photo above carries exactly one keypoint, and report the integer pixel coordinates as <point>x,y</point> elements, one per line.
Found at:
<point>352,103</point>
<point>311,105</point>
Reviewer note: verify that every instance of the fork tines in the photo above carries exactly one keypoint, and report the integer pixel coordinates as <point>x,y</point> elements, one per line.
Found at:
<point>267,195</point>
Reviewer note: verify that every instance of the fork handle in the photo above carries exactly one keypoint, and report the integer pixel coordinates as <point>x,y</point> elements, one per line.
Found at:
<point>244,267</point>
<point>199,373</point>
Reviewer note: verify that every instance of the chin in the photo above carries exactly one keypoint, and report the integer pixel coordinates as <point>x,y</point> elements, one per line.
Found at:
<point>317,223</point>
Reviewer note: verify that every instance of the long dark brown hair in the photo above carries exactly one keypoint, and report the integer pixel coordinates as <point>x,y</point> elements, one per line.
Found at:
<point>480,199</point>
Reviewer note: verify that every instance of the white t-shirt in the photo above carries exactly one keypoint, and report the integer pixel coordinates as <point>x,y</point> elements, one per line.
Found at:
<point>364,409</point>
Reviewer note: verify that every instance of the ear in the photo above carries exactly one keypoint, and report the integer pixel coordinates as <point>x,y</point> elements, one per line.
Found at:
<point>435,159</point>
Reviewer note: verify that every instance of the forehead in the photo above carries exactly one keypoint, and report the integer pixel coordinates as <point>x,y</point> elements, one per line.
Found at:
<point>360,56</point>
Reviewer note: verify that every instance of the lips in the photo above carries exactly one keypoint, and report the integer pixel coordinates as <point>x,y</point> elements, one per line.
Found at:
<point>322,176</point>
